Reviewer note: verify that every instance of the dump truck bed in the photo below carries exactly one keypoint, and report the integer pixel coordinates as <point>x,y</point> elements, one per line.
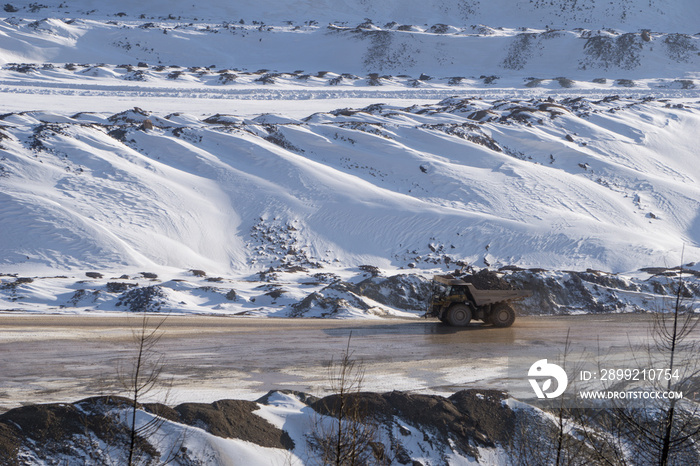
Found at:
<point>485,297</point>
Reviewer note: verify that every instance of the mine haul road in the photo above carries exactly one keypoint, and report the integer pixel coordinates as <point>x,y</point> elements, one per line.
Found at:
<point>57,358</point>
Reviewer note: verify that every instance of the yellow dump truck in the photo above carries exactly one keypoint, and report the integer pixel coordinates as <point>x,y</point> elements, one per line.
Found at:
<point>456,302</point>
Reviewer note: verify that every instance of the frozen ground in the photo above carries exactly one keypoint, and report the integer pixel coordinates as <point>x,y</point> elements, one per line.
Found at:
<point>321,159</point>
<point>413,366</point>
<point>304,141</point>
<point>285,205</point>
<point>62,358</point>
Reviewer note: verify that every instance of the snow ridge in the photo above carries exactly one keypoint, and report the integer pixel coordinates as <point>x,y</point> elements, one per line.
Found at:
<point>572,183</point>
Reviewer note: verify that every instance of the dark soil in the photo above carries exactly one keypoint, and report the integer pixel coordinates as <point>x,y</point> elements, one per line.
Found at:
<point>485,408</point>
<point>466,418</point>
<point>9,445</point>
<point>59,428</point>
<point>52,430</point>
<point>487,280</point>
<point>150,298</point>
<point>118,287</point>
<point>462,422</point>
<point>372,404</point>
<point>234,419</point>
<point>20,281</point>
<point>437,414</point>
<point>400,291</point>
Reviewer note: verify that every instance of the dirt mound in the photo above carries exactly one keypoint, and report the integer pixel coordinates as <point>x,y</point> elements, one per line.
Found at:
<point>400,291</point>
<point>461,424</point>
<point>145,299</point>
<point>466,418</point>
<point>65,430</point>
<point>487,280</point>
<point>592,291</point>
<point>366,403</point>
<point>406,292</point>
<point>439,416</point>
<point>9,445</point>
<point>336,299</point>
<point>234,419</point>
<point>46,423</point>
<point>60,428</point>
<point>485,407</point>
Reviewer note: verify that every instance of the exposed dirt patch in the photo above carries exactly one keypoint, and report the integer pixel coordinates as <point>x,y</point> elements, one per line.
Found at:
<point>399,291</point>
<point>234,419</point>
<point>485,407</point>
<point>335,299</point>
<point>149,298</point>
<point>64,430</point>
<point>9,445</point>
<point>369,403</point>
<point>118,287</point>
<point>487,280</point>
<point>466,418</point>
<point>61,429</point>
<point>437,414</point>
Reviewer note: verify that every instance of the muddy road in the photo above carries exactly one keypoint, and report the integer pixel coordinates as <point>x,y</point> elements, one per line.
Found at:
<point>68,357</point>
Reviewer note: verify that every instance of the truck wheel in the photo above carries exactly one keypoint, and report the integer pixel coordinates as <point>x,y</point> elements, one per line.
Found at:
<point>502,315</point>
<point>459,315</point>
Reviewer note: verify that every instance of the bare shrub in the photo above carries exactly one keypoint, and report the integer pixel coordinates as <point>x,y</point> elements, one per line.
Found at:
<point>142,377</point>
<point>346,435</point>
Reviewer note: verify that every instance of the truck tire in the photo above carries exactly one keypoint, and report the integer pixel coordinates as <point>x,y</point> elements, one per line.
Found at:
<point>502,315</point>
<point>459,315</point>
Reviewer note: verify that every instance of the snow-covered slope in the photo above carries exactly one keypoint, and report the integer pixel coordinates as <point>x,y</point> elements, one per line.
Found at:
<point>681,15</point>
<point>470,427</point>
<point>438,50</point>
<point>332,135</point>
<point>608,184</point>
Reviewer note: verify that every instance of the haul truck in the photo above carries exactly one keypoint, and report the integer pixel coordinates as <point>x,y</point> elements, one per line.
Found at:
<point>456,302</point>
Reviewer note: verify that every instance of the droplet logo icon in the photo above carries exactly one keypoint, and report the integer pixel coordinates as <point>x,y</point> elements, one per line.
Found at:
<point>541,369</point>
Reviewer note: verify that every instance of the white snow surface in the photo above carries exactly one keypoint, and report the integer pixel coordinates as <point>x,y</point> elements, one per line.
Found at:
<point>315,137</point>
<point>614,189</point>
<point>559,135</point>
<point>440,51</point>
<point>638,14</point>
